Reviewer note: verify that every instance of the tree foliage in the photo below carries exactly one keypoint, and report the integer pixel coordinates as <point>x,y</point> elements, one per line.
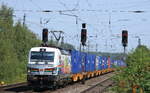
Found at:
<point>137,72</point>
<point>15,42</point>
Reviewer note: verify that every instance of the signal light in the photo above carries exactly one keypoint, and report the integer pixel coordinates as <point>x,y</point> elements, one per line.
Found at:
<point>83,34</point>
<point>124,38</point>
<point>45,35</point>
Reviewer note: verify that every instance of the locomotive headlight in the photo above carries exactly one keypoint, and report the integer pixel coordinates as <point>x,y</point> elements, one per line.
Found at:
<point>29,70</point>
<point>54,71</point>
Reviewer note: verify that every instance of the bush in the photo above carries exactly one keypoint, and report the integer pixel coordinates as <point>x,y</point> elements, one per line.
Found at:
<point>137,72</point>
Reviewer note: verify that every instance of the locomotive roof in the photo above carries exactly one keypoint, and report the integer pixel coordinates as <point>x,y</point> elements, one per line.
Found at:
<point>37,48</point>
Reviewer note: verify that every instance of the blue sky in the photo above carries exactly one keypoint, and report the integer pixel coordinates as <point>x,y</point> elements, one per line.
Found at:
<point>96,13</point>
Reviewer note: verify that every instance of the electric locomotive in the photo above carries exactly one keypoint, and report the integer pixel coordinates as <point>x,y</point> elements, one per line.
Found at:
<point>48,67</point>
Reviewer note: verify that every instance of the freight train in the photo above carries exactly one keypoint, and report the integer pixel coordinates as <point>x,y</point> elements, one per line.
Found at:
<point>53,66</point>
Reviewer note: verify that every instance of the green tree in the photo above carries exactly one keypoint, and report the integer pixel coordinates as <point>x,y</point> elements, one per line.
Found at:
<point>15,42</point>
<point>137,72</point>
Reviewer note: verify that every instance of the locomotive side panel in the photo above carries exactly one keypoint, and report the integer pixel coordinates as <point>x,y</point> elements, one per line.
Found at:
<point>65,64</point>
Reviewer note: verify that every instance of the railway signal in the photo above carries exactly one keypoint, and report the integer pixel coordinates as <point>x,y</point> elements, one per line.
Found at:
<point>83,34</point>
<point>124,38</point>
<point>45,35</point>
<point>124,41</point>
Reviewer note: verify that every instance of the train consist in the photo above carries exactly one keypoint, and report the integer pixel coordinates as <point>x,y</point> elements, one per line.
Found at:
<point>53,66</point>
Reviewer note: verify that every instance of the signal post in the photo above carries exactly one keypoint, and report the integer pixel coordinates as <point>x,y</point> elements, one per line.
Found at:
<point>83,44</point>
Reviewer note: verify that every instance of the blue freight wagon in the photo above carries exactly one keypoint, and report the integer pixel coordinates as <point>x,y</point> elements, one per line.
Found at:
<point>76,62</point>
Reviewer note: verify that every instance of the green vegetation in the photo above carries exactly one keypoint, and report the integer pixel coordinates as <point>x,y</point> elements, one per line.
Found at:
<point>15,42</point>
<point>137,73</point>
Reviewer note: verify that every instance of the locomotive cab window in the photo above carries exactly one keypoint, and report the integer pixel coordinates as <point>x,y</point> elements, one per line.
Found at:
<point>42,56</point>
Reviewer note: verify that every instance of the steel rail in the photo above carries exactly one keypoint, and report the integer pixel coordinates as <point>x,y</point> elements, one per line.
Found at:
<point>12,85</point>
<point>100,85</point>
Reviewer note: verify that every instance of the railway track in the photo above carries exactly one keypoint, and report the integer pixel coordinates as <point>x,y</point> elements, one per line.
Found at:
<point>13,85</point>
<point>90,84</point>
<point>93,85</point>
<point>13,88</point>
<point>99,87</point>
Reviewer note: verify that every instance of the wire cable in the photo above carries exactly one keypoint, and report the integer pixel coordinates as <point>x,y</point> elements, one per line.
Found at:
<point>35,4</point>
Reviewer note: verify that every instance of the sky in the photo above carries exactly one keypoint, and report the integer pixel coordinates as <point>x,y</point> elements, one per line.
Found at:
<point>105,20</point>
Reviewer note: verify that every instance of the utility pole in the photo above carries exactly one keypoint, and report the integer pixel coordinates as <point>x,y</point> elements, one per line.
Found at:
<point>24,19</point>
<point>110,23</point>
<point>96,44</point>
<point>139,41</point>
<point>106,44</point>
<point>96,47</point>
